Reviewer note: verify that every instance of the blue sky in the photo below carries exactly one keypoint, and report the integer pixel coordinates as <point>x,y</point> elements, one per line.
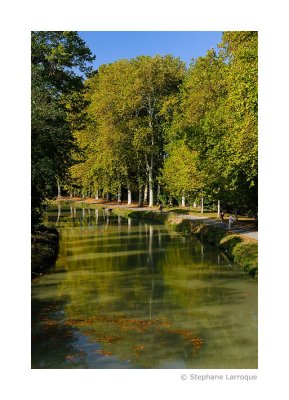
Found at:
<point>112,46</point>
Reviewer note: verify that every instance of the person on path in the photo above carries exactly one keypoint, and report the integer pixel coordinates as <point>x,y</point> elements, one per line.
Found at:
<point>222,217</point>
<point>231,221</point>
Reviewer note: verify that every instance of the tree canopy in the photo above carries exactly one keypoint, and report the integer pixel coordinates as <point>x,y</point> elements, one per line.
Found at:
<point>55,87</point>
<point>146,125</point>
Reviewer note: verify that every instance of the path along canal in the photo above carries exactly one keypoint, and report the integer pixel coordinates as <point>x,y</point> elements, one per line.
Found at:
<point>130,294</point>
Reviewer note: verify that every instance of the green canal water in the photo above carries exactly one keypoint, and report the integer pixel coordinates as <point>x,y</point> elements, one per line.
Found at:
<point>130,294</point>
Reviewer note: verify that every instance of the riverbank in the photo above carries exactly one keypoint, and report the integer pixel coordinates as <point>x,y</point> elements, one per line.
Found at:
<point>241,249</point>
<point>44,249</point>
<point>240,242</point>
<point>245,226</point>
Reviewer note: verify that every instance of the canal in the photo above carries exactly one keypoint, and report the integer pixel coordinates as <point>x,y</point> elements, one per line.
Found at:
<point>134,294</point>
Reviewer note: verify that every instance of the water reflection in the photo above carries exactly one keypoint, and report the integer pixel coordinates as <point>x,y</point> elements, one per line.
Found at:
<point>128,294</point>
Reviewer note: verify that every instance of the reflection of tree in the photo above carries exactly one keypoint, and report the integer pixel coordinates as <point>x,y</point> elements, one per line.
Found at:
<point>59,213</point>
<point>144,297</point>
<point>115,285</point>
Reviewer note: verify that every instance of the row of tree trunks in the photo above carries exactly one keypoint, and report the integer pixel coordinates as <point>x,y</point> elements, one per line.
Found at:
<point>143,197</point>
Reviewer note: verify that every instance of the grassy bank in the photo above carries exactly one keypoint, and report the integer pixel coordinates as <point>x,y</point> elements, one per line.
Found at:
<point>44,249</point>
<point>241,250</point>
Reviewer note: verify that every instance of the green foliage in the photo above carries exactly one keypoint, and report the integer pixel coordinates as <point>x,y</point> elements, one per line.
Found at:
<point>184,226</point>
<point>54,105</point>
<point>149,121</point>
<point>229,242</point>
<point>210,233</point>
<point>180,175</point>
<point>246,255</point>
<point>51,144</point>
<point>241,49</point>
<point>219,108</point>
<point>163,199</point>
<point>57,55</point>
<point>124,135</point>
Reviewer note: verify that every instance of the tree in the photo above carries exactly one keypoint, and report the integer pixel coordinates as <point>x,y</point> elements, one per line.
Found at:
<point>157,79</point>
<point>126,104</point>
<point>59,56</point>
<point>219,119</point>
<point>148,116</point>
<point>55,56</point>
<point>180,175</point>
<point>241,52</point>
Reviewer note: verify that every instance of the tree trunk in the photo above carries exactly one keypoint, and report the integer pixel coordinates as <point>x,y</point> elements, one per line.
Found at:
<point>145,197</point>
<point>183,201</point>
<point>150,167</point>
<point>58,189</point>
<point>128,196</point>
<point>236,215</point>
<point>119,194</point>
<point>158,194</point>
<point>202,205</point>
<point>96,194</point>
<point>140,199</point>
<point>219,209</point>
<point>195,204</point>
<point>151,188</point>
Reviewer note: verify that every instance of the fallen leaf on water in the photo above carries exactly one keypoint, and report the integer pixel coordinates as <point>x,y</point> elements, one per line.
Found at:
<point>139,347</point>
<point>103,352</point>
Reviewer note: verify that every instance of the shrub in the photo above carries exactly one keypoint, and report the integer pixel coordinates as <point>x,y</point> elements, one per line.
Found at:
<point>211,234</point>
<point>183,226</point>
<point>246,255</point>
<point>229,242</point>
